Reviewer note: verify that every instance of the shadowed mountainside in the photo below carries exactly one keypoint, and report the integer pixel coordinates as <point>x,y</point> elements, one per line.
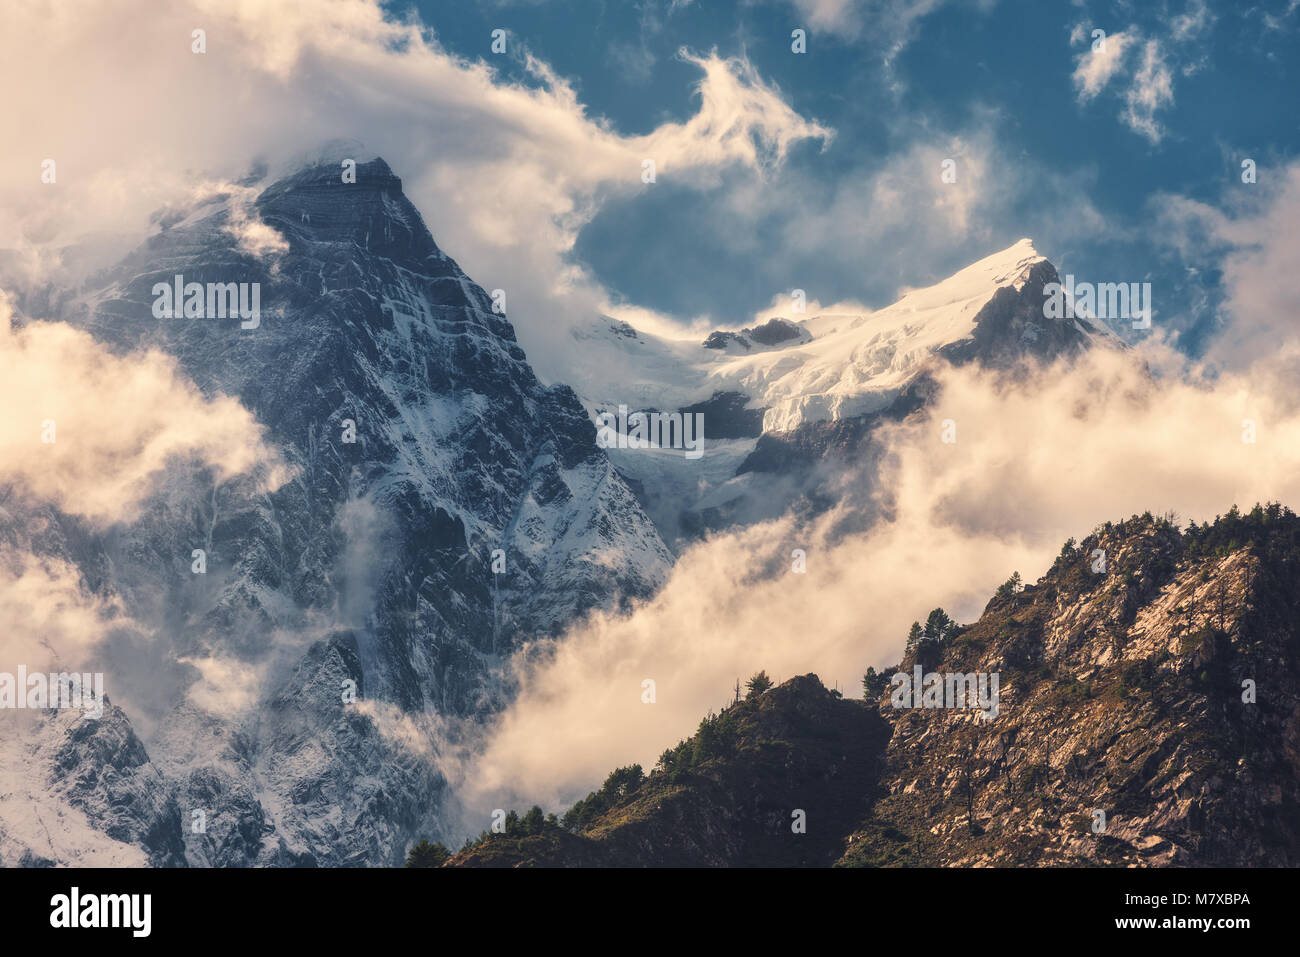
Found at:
<point>1163,691</point>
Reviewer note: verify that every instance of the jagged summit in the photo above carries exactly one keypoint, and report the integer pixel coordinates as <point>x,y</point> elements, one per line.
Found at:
<point>837,365</point>
<point>419,442</point>
<point>315,204</point>
<point>780,396</point>
<point>1008,266</point>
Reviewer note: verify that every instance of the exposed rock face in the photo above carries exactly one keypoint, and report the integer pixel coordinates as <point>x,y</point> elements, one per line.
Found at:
<point>78,791</point>
<point>1120,691</point>
<point>102,768</point>
<point>774,332</point>
<point>374,563</point>
<point>1011,326</point>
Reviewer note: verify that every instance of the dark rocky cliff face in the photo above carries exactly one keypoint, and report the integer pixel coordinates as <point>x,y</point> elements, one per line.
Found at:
<point>1120,691</point>
<point>1011,327</point>
<point>374,563</point>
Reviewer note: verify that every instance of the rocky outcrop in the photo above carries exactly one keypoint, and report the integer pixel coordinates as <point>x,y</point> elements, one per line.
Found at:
<point>1148,714</point>
<point>1162,693</point>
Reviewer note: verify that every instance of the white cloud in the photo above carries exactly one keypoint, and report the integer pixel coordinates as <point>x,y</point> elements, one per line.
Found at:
<point>1189,24</point>
<point>505,173</point>
<point>1255,245</point>
<point>90,431</point>
<point>1152,90</point>
<point>889,220</point>
<point>1095,67</point>
<point>1035,463</point>
<point>828,15</point>
<point>1140,65</point>
<point>226,685</point>
<point>120,427</point>
<point>48,618</point>
<point>892,21</point>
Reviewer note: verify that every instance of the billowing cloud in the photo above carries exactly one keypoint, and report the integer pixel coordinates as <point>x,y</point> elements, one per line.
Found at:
<point>226,685</point>
<point>1251,238</point>
<point>95,434</point>
<point>1034,463</point>
<point>48,617</point>
<point>1258,271</point>
<point>506,172</point>
<point>89,431</point>
<point>937,202</point>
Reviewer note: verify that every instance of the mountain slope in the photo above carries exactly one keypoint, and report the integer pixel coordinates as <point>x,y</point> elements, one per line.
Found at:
<point>418,442</point>
<point>732,795</point>
<point>1123,691</point>
<point>781,400</point>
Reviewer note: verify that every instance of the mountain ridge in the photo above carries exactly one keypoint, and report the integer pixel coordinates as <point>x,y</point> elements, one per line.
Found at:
<point>814,394</point>
<point>1148,715</point>
<point>419,446</point>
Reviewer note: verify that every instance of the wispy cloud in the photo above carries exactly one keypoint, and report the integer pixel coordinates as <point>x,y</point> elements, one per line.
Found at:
<point>90,431</point>
<point>1139,64</point>
<point>1152,89</point>
<point>1251,239</point>
<point>1098,65</point>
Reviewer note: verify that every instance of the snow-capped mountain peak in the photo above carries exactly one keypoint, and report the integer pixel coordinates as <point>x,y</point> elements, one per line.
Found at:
<point>444,507</point>
<point>856,365</point>
<point>840,365</point>
<point>779,383</point>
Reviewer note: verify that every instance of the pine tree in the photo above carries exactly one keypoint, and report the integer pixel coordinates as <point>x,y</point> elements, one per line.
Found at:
<point>873,684</point>
<point>1012,586</point>
<point>533,821</point>
<point>938,625</point>
<point>914,637</point>
<point>425,854</point>
<point>758,684</point>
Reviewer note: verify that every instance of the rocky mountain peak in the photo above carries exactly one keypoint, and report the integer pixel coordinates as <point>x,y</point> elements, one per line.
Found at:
<point>442,506</point>
<point>315,204</point>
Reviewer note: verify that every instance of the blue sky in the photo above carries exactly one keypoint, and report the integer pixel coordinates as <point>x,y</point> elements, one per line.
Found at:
<point>991,83</point>
<point>777,171</point>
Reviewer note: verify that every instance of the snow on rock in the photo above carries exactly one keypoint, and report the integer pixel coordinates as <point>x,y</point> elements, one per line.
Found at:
<point>843,365</point>
<point>787,379</point>
<point>371,567</point>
